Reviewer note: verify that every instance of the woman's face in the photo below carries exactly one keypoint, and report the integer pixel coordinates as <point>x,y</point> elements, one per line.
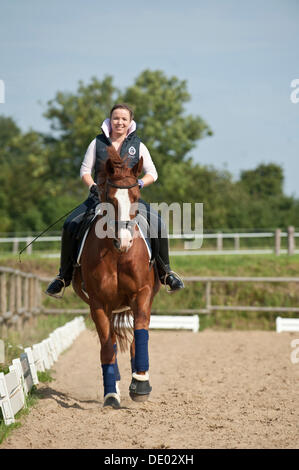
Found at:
<point>120,121</point>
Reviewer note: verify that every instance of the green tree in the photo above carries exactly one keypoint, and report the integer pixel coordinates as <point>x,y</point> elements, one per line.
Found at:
<point>264,181</point>
<point>165,128</point>
<point>75,121</point>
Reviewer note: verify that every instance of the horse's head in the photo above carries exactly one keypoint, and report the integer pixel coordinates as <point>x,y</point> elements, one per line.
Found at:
<point>122,191</point>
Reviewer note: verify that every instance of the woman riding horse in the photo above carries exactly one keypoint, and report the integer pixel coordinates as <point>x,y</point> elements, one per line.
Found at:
<point>120,132</point>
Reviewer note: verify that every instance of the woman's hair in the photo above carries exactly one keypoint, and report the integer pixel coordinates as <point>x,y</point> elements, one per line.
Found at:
<point>122,106</point>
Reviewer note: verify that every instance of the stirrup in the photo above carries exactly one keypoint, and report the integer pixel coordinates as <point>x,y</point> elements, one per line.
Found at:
<point>58,296</point>
<point>169,291</point>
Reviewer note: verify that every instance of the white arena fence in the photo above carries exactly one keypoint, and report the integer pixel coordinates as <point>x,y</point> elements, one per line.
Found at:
<point>275,236</point>
<point>287,324</point>
<point>169,322</point>
<point>175,322</point>
<point>23,373</point>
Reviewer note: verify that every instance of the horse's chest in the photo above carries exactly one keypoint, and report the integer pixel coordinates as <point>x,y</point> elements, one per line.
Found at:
<point>116,282</point>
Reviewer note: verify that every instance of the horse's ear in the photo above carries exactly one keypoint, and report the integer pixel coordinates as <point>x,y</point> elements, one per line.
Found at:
<point>137,168</point>
<point>109,167</point>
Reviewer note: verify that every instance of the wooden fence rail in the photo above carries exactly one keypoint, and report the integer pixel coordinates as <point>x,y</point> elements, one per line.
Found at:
<point>21,296</point>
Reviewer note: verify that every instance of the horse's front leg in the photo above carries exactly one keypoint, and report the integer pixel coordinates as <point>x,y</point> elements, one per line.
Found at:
<point>108,357</point>
<point>140,387</point>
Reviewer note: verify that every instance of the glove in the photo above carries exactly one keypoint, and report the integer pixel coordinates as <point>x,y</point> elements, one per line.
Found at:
<point>94,194</point>
<point>141,184</point>
<point>94,190</point>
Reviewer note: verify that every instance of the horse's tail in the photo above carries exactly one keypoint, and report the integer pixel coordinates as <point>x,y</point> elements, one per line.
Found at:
<point>122,326</point>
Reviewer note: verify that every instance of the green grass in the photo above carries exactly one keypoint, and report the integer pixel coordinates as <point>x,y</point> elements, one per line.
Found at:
<point>236,265</point>
<point>33,331</point>
<point>45,376</point>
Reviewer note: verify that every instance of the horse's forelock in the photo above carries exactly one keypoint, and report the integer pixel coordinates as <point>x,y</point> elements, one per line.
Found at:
<point>120,165</point>
<point>113,155</point>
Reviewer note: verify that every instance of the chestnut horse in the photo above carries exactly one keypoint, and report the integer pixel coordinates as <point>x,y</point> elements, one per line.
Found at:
<point>119,280</point>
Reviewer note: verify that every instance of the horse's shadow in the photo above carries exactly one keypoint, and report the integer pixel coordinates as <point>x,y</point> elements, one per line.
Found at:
<point>65,400</point>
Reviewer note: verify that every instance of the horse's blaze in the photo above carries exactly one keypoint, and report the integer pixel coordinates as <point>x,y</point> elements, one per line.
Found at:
<point>124,206</point>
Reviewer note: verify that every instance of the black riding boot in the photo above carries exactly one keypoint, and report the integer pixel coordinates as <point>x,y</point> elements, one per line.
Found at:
<point>158,231</point>
<point>66,265</point>
<point>165,274</point>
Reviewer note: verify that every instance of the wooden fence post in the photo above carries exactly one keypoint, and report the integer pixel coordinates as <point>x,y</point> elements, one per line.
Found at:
<point>26,294</point>
<point>219,241</point>
<point>277,241</point>
<point>3,302</point>
<point>208,295</point>
<point>291,240</point>
<point>39,295</point>
<point>19,300</point>
<point>15,246</point>
<point>237,242</point>
<point>12,294</point>
<point>31,294</point>
<point>29,248</point>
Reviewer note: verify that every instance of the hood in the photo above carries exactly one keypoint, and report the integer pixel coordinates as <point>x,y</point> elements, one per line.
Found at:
<point>106,127</point>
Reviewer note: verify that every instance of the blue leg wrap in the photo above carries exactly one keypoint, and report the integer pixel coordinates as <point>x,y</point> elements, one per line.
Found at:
<point>141,350</point>
<point>109,378</point>
<point>133,367</point>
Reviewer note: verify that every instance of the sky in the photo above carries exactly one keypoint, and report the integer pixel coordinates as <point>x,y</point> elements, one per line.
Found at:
<point>238,57</point>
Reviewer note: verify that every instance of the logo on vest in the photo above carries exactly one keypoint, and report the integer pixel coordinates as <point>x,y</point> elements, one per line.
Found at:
<point>132,151</point>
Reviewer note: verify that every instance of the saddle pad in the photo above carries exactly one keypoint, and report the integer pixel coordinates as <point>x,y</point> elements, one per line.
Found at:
<point>97,212</point>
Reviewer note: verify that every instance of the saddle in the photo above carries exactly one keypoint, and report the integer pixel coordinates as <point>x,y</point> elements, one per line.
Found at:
<point>152,245</point>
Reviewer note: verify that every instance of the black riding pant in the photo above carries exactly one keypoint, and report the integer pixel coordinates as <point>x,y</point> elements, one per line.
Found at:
<point>156,230</point>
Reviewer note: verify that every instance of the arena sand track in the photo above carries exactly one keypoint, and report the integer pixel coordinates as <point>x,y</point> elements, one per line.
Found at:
<point>212,389</point>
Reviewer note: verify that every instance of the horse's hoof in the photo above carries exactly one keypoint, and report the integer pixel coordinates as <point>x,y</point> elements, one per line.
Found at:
<point>139,398</point>
<point>139,390</point>
<point>112,401</point>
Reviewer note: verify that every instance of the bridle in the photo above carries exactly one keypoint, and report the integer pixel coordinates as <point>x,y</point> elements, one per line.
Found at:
<point>121,187</point>
<point>118,224</point>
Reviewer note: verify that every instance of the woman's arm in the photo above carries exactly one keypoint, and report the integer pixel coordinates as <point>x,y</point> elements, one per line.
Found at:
<point>88,180</point>
<point>149,168</point>
<point>147,180</point>
<point>88,164</point>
